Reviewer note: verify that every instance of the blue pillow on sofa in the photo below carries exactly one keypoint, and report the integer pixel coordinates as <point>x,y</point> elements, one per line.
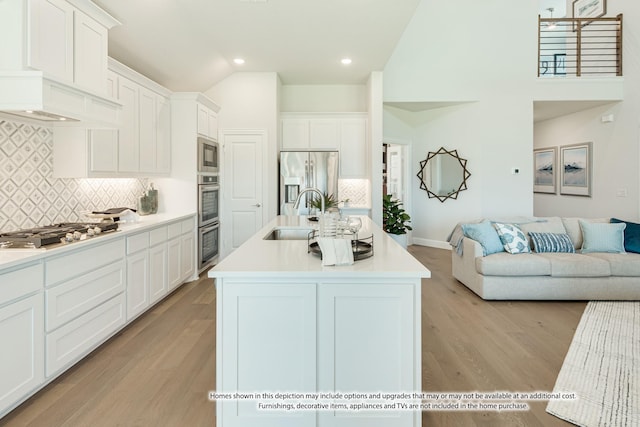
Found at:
<point>602,237</point>
<point>486,235</point>
<point>631,235</point>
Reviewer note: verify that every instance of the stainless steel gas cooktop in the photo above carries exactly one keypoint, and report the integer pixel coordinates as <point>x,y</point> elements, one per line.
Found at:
<point>66,232</point>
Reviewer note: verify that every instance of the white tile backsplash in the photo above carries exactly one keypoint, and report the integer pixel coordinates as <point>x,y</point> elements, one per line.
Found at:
<point>30,196</point>
<point>356,190</point>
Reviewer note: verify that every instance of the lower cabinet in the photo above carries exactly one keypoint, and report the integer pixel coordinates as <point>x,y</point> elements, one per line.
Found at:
<point>158,281</point>
<point>317,337</point>
<point>137,283</point>
<point>85,304</point>
<point>22,354</point>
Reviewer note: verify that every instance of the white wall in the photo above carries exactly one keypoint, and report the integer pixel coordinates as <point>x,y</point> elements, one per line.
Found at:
<point>323,98</point>
<point>615,145</point>
<point>492,75</point>
<point>250,101</point>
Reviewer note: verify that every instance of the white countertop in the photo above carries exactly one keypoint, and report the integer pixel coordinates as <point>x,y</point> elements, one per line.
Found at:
<point>14,257</point>
<point>289,258</point>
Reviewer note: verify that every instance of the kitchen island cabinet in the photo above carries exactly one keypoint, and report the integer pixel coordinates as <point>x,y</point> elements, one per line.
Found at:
<point>287,324</point>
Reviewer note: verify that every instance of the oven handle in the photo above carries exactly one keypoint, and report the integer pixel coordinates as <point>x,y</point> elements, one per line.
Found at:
<point>209,228</point>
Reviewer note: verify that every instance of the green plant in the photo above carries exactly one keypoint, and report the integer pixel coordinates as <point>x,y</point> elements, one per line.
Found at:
<point>330,201</point>
<point>394,218</point>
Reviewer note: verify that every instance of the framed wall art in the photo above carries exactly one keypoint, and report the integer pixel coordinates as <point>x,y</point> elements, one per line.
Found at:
<point>575,171</point>
<point>588,9</point>
<point>544,166</point>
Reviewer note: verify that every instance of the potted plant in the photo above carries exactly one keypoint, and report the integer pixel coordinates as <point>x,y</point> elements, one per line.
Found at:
<point>330,202</point>
<point>395,220</point>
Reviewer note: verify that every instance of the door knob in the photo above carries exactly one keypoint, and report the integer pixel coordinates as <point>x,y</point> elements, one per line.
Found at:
<point>257,205</point>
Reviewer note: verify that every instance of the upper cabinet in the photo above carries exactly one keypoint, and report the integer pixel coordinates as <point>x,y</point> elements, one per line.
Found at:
<point>139,146</point>
<point>56,52</point>
<point>345,132</point>
<point>207,122</point>
<point>67,40</point>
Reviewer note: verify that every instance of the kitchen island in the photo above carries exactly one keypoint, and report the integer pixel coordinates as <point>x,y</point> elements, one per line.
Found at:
<point>288,326</point>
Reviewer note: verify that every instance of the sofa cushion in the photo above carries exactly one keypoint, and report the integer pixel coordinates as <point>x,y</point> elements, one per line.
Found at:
<point>576,265</point>
<point>512,237</point>
<point>486,235</point>
<point>602,237</point>
<point>551,242</point>
<point>573,228</point>
<point>543,225</point>
<point>505,264</point>
<point>626,264</point>
<point>631,235</point>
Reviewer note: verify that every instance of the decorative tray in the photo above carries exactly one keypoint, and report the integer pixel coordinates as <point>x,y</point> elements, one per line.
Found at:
<point>362,247</point>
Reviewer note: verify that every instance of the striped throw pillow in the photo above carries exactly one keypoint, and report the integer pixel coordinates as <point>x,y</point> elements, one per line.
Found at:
<point>551,242</point>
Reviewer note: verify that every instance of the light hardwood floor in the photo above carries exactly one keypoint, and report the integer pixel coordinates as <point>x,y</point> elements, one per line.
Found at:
<point>158,370</point>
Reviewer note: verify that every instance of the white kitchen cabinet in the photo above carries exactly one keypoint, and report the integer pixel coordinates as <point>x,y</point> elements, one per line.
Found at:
<point>69,343</point>
<point>158,279</point>
<point>68,43</point>
<point>181,252</point>
<point>174,273</point>
<point>128,138</point>
<point>85,300</point>
<point>84,153</point>
<point>365,342</point>
<point>346,133</point>
<point>137,275</point>
<point>21,333</point>
<point>276,321</point>
<point>207,122</point>
<point>163,135</point>
<point>324,134</point>
<point>354,150</point>
<point>51,37</point>
<point>90,43</point>
<point>147,130</point>
<point>310,134</point>
<point>295,134</point>
<point>327,336</point>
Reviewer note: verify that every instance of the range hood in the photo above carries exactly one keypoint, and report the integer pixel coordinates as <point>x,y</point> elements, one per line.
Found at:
<point>33,95</point>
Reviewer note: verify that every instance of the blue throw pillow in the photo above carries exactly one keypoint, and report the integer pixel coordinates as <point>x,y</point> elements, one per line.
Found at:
<point>551,242</point>
<point>631,235</point>
<point>512,238</point>
<point>602,237</point>
<point>486,235</point>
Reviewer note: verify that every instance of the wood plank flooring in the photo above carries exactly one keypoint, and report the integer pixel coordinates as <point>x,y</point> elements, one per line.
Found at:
<point>158,370</point>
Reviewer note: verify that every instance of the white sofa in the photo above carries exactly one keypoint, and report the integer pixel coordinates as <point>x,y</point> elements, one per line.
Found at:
<point>548,276</point>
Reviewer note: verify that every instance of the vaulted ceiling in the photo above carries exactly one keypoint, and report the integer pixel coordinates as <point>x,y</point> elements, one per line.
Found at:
<point>189,45</point>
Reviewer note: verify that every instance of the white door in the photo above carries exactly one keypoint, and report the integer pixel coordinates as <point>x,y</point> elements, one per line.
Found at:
<point>242,187</point>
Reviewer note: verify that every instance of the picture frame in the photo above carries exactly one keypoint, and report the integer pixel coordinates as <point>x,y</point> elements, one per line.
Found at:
<point>588,9</point>
<point>559,64</point>
<point>576,169</point>
<point>545,170</point>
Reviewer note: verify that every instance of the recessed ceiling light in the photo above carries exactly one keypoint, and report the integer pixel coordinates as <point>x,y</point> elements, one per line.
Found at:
<point>238,61</point>
<point>345,61</point>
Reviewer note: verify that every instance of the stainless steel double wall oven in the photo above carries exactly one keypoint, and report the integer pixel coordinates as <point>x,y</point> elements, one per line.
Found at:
<point>208,203</point>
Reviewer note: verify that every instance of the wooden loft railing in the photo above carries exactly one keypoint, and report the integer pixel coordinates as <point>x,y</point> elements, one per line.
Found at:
<point>579,47</point>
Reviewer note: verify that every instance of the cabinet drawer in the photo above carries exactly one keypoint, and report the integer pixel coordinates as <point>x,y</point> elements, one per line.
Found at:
<point>187,225</point>
<point>23,281</point>
<point>174,230</point>
<point>137,243</point>
<point>75,339</point>
<point>157,235</point>
<point>75,297</point>
<point>76,264</point>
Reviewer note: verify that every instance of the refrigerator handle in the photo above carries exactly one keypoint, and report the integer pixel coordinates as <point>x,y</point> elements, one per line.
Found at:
<point>312,175</point>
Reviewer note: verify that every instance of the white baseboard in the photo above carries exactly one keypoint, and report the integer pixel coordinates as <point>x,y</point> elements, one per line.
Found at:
<point>431,243</point>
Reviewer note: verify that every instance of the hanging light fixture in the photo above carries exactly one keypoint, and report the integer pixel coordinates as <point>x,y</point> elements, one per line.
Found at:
<point>551,25</point>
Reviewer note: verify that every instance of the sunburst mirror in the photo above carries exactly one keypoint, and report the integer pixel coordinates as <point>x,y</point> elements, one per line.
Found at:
<point>443,174</point>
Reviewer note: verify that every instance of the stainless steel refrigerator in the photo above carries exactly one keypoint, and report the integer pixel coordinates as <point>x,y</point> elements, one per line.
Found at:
<point>303,169</point>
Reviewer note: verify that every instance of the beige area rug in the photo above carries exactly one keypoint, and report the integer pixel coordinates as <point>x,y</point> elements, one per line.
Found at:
<point>602,367</point>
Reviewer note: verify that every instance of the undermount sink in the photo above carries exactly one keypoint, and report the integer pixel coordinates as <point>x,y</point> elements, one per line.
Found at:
<point>282,233</point>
